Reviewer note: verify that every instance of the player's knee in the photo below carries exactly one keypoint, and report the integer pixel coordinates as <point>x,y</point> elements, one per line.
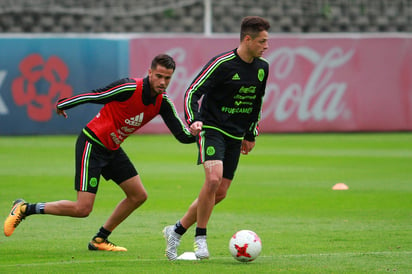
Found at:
<point>220,196</point>
<point>83,211</point>
<point>213,183</point>
<point>143,197</point>
<point>138,199</point>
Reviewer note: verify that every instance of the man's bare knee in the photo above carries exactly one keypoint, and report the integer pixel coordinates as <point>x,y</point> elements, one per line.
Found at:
<point>220,197</point>
<point>83,212</point>
<point>139,199</point>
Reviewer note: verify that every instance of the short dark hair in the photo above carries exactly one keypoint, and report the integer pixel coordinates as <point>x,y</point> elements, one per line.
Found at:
<point>163,60</point>
<point>252,25</point>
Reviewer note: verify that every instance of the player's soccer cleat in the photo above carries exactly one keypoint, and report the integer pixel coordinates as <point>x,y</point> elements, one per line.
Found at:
<point>200,247</point>
<point>172,242</point>
<point>15,217</point>
<point>98,243</point>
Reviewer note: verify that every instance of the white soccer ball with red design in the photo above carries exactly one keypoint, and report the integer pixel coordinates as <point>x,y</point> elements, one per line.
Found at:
<point>245,245</point>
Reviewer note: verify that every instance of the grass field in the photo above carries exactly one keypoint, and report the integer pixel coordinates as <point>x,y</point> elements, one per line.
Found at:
<point>282,191</point>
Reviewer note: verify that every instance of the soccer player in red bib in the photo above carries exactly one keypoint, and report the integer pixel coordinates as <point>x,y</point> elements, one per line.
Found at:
<point>129,104</point>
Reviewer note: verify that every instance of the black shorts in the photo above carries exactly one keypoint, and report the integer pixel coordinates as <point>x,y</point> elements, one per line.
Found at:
<point>93,160</point>
<point>214,145</point>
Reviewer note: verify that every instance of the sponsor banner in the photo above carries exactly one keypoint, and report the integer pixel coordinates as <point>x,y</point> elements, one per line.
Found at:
<point>316,83</point>
<point>35,72</point>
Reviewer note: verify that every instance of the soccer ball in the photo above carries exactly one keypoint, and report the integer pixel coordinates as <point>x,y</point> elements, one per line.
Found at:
<point>245,245</point>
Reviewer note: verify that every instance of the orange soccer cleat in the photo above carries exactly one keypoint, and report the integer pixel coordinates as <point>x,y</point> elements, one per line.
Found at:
<point>15,217</point>
<point>103,244</point>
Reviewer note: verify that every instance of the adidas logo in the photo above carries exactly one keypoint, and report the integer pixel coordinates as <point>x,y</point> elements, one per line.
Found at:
<point>236,77</point>
<point>135,121</point>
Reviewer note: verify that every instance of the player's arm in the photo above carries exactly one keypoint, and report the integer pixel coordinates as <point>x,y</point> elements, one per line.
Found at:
<point>254,119</point>
<point>247,146</point>
<point>119,90</point>
<point>253,129</point>
<point>191,104</point>
<point>248,142</point>
<point>173,122</point>
<point>204,81</point>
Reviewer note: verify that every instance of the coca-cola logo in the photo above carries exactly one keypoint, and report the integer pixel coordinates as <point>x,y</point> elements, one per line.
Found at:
<point>301,86</point>
<point>313,94</point>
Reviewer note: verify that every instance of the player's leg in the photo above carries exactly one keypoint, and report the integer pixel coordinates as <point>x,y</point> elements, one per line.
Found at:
<point>80,208</point>
<point>173,233</point>
<point>136,195</point>
<point>230,164</point>
<point>220,175</point>
<point>190,216</point>
<point>211,153</point>
<point>211,148</point>
<point>86,184</point>
<point>121,171</point>
<point>223,189</point>
<point>206,200</point>
<point>21,209</point>
<point>89,160</point>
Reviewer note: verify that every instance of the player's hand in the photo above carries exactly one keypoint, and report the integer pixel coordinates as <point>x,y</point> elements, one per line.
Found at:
<point>196,127</point>
<point>246,147</point>
<point>61,112</point>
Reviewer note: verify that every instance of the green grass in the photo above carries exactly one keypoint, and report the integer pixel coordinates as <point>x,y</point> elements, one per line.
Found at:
<point>282,191</point>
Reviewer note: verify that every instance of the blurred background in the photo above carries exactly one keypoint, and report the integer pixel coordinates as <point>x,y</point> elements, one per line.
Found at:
<point>335,65</point>
<point>188,16</point>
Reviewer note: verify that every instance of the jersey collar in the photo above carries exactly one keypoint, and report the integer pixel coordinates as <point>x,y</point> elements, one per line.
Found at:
<point>146,96</point>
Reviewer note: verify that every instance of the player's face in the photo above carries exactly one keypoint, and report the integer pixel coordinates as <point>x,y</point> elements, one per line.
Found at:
<point>159,79</point>
<point>259,44</point>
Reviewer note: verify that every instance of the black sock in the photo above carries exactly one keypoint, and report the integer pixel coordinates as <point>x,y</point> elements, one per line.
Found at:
<point>37,208</point>
<point>200,231</point>
<point>179,229</point>
<point>103,233</point>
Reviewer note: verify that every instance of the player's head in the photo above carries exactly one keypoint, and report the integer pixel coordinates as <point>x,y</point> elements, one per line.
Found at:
<point>163,60</point>
<point>254,35</point>
<point>252,26</point>
<point>160,73</point>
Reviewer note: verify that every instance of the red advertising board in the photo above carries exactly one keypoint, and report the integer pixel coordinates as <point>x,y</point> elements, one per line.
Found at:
<point>316,82</point>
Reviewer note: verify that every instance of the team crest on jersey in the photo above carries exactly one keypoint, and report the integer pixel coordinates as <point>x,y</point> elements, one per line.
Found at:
<point>261,74</point>
<point>135,121</point>
<point>93,182</point>
<point>210,151</point>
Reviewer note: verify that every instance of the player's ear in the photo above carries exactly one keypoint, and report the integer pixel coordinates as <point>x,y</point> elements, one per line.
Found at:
<point>248,38</point>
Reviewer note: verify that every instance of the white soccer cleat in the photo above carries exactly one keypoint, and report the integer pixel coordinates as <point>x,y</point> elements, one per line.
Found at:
<point>172,242</point>
<point>200,247</point>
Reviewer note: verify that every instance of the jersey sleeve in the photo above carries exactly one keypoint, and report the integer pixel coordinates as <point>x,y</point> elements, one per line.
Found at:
<point>173,122</point>
<point>119,90</point>
<point>253,129</point>
<point>206,80</point>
